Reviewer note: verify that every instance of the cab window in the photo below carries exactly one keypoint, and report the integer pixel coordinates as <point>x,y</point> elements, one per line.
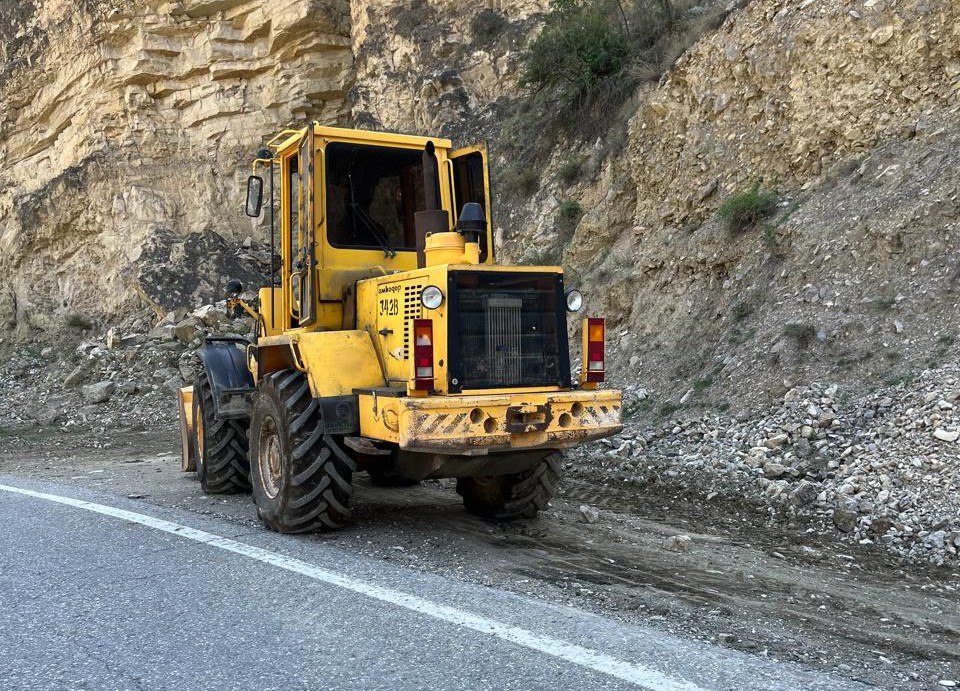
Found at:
<point>293,209</point>
<point>373,193</point>
<point>469,186</point>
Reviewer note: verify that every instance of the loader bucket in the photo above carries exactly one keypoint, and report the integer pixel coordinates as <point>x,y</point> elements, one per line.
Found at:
<point>188,446</point>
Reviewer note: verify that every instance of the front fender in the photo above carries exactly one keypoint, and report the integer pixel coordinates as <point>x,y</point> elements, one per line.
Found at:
<point>224,360</point>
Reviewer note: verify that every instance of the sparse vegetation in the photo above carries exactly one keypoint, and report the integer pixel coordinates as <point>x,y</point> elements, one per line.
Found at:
<point>592,49</point>
<point>702,384</point>
<point>669,408</point>
<point>631,408</point>
<point>770,237</point>
<point>522,179</point>
<point>487,25</point>
<point>75,320</point>
<point>741,311</point>
<point>582,44</point>
<point>571,169</point>
<point>883,303</point>
<point>744,211</point>
<point>569,213</point>
<point>802,334</point>
<point>900,378</point>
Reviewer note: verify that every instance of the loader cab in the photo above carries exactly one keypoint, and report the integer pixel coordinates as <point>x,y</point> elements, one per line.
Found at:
<point>346,210</point>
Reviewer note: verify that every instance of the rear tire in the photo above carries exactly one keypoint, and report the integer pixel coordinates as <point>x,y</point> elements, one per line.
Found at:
<point>301,476</point>
<point>221,445</point>
<point>507,497</point>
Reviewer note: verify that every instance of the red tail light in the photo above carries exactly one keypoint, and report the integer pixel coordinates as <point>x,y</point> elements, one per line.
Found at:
<point>593,350</point>
<point>423,354</point>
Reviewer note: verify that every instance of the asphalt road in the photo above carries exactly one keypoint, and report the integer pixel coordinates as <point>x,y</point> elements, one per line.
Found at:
<point>101,592</point>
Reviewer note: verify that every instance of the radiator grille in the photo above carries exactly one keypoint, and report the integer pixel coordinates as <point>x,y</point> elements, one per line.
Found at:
<point>507,329</point>
<point>504,344</point>
<point>412,309</point>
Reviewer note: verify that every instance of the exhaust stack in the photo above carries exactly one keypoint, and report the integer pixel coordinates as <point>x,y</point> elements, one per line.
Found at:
<point>433,219</point>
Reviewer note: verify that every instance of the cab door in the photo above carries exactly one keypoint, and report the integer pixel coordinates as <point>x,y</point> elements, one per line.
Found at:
<point>471,183</point>
<point>304,285</point>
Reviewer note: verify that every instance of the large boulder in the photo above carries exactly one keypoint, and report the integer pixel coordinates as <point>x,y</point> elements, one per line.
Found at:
<point>99,392</point>
<point>187,270</point>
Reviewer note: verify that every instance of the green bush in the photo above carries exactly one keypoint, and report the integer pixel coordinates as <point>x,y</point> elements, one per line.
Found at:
<point>607,46</point>
<point>76,320</point>
<point>524,180</point>
<point>802,334</point>
<point>742,310</point>
<point>487,25</point>
<point>580,45</point>
<point>744,211</point>
<point>702,384</point>
<point>570,212</point>
<point>571,168</point>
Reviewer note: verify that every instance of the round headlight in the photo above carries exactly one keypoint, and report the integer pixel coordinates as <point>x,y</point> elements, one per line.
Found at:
<point>431,297</point>
<point>574,300</point>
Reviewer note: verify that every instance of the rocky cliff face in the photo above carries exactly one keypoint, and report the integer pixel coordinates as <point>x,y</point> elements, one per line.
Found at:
<point>125,132</point>
<point>438,66</point>
<point>126,128</point>
<point>847,109</point>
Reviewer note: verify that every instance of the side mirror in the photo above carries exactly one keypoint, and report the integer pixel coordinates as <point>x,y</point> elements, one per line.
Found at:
<point>254,196</point>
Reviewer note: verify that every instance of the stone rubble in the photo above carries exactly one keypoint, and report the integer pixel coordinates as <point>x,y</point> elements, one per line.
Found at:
<point>124,381</point>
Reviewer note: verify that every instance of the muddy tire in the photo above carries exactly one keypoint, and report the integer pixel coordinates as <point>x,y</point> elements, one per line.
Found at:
<point>506,497</point>
<point>301,476</point>
<point>221,445</point>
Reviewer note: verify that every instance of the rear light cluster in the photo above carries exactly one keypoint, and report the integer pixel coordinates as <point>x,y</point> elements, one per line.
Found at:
<point>423,379</point>
<point>593,336</point>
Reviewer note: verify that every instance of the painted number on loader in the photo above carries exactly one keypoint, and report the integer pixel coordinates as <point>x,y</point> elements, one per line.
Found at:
<point>389,307</point>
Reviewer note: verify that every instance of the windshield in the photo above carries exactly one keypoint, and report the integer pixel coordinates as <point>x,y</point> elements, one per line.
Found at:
<point>373,193</point>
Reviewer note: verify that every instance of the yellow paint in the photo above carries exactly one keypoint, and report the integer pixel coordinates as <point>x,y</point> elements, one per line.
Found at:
<point>386,308</point>
<point>271,309</point>
<point>444,248</point>
<point>337,362</point>
<point>337,268</point>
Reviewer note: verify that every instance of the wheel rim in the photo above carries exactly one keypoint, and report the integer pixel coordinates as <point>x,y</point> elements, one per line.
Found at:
<point>269,458</point>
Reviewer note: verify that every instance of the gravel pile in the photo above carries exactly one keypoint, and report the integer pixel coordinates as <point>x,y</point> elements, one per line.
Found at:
<point>884,468</point>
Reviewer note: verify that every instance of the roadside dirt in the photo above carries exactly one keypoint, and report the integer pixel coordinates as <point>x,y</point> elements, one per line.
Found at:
<point>789,595</point>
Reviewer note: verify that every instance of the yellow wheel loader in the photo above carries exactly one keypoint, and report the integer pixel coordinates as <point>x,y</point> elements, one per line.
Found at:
<point>389,341</point>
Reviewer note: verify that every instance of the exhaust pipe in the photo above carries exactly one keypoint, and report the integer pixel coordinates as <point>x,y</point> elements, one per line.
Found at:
<point>433,219</point>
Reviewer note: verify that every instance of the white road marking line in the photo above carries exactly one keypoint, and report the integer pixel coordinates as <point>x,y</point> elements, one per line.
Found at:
<point>631,672</point>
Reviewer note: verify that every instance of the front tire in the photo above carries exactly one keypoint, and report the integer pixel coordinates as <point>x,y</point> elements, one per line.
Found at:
<point>508,497</point>
<point>221,445</point>
<point>301,476</point>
